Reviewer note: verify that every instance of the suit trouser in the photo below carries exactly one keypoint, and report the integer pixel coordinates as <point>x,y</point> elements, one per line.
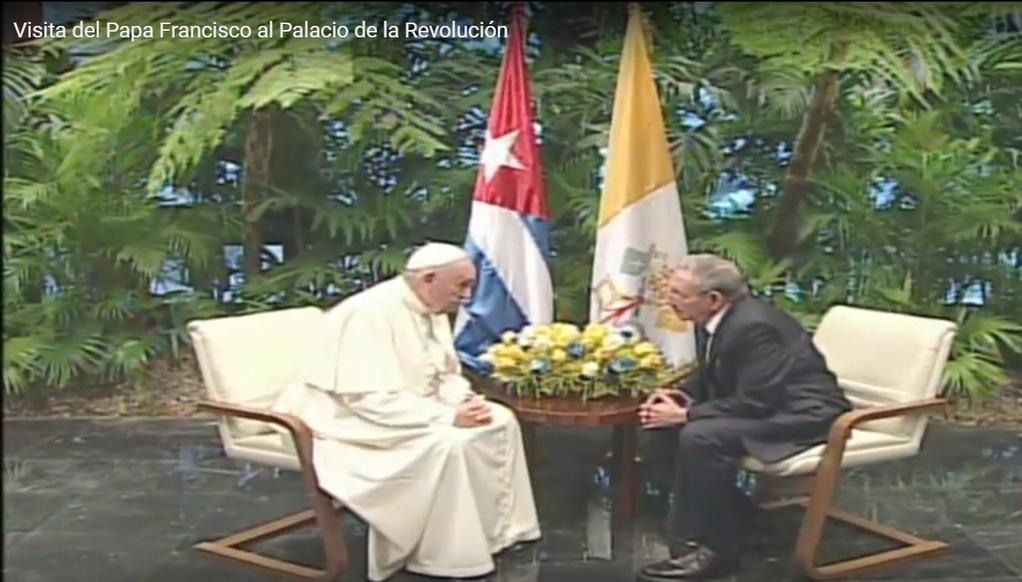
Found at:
<point>708,507</point>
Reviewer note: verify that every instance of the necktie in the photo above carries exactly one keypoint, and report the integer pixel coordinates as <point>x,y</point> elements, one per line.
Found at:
<point>709,344</point>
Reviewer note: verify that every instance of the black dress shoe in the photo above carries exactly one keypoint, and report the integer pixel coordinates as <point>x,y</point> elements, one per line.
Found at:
<point>681,552</point>
<point>658,569</point>
<point>701,564</point>
<point>682,547</point>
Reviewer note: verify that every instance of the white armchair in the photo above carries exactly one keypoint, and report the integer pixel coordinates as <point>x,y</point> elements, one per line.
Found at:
<point>890,366</point>
<point>245,362</point>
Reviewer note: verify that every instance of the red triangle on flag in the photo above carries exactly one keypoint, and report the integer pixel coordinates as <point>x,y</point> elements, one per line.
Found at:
<point>510,167</point>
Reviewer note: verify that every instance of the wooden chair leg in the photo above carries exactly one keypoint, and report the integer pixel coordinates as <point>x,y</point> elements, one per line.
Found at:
<point>324,513</point>
<point>818,507</point>
<point>324,509</point>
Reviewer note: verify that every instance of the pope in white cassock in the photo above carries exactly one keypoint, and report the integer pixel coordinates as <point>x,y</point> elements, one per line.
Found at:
<point>437,472</point>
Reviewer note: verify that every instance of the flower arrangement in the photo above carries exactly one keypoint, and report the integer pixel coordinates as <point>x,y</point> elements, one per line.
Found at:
<point>559,359</point>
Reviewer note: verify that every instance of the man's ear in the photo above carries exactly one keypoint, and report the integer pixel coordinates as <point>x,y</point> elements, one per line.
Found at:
<point>429,276</point>
<point>717,297</point>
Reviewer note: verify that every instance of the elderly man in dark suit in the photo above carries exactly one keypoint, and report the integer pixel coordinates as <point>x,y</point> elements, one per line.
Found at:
<point>761,388</point>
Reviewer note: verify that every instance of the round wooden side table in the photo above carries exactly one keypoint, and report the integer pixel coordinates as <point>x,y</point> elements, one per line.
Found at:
<point>618,412</point>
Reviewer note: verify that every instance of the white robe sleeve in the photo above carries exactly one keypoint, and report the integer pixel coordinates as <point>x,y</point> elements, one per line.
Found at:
<point>454,389</point>
<point>399,409</point>
<point>359,363</point>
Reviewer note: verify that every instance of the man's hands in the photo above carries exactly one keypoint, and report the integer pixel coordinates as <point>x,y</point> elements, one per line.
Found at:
<point>660,410</point>
<point>472,411</point>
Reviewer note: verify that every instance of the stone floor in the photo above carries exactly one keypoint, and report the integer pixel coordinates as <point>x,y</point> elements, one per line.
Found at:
<point>124,500</point>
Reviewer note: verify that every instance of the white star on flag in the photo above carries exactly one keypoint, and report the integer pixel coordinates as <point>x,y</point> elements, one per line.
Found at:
<point>497,153</point>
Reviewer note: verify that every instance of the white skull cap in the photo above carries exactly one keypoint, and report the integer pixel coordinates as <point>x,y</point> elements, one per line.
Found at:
<point>435,254</point>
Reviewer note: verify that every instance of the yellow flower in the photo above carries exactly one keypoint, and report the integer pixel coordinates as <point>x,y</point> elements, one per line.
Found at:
<point>565,333</point>
<point>604,354</point>
<point>590,369</point>
<point>651,361</point>
<point>625,351</point>
<point>595,331</point>
<point>612,341</point>
<point>514,352</point>
<point>645,348</point>
<point>504,363</point>
<point>543,342</point>
<point>558,356</point>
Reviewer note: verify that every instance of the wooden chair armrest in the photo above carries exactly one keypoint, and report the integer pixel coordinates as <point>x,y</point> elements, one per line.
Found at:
<point>288,421</point>
<point>841,430</point>
<point>849,420</point>
<point>299,430</point>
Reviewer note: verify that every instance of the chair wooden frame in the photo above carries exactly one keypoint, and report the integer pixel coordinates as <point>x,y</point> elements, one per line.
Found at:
<point>324,510</point>
<point>819,504</point>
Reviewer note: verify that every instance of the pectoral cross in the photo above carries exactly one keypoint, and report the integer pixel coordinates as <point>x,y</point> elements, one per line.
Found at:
<point>437,373</point>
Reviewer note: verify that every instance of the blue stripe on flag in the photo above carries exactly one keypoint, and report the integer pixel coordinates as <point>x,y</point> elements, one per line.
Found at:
<point>539,228</point>
<point>491,312</point>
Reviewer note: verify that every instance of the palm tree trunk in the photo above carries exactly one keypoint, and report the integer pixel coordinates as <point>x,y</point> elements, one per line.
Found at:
<point>258,151</point>
<point>785,233</point>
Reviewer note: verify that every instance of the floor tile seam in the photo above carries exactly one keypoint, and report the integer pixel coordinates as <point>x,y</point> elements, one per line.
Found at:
<point>993,553</point>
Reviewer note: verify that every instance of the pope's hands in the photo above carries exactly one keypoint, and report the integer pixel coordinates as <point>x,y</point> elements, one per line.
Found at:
<point>472,411</point>
<point>660,410</point>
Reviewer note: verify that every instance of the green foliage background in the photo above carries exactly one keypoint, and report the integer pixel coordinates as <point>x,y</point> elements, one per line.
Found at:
<point>120,157</point>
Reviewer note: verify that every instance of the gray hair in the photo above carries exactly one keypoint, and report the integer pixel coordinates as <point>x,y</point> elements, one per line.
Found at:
<point>714,273</point>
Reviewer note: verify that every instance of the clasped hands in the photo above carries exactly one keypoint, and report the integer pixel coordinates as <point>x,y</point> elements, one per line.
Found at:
<point>660,410</point>
<point>472,411</point>
<point>470,408</point>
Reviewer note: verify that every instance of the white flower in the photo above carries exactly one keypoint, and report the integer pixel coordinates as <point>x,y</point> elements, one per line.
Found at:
<point>544,343</point>
<point>590,369</point>
<point>631,332</point>
<point>508,336</point>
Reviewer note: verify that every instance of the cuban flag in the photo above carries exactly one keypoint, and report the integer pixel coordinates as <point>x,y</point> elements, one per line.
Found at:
<point>508,232</point>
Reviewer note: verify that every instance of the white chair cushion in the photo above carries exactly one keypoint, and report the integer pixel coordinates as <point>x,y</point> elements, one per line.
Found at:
<point>883,358</point>
<point>864,447</point>
<point>248,359</point>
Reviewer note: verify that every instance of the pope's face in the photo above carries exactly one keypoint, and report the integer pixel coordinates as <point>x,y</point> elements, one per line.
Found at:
<point>447,288</point>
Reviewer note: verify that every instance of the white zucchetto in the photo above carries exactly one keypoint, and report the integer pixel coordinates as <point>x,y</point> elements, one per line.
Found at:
<point>433,255</point>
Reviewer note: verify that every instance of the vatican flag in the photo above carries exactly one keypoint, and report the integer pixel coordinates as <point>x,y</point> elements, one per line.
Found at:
<point>641,235</point>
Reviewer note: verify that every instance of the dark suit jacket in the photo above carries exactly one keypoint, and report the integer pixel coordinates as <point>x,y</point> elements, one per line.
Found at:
<point>763,365</point>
